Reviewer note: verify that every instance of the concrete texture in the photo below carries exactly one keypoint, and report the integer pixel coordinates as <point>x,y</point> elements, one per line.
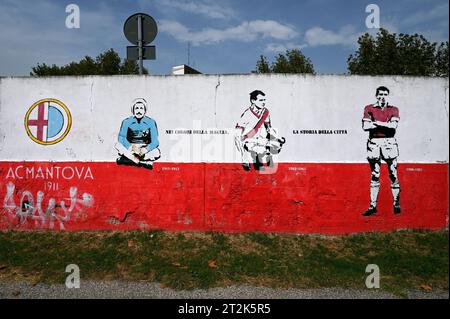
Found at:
<point>136,290</point>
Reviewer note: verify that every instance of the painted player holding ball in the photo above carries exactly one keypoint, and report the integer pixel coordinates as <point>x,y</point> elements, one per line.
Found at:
<point>256,140</point>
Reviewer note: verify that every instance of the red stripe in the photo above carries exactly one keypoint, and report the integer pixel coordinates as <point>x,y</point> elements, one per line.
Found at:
<point>40,122</point>
<point>298,198</point>
<point>258,125</point>
<point>254,113</point>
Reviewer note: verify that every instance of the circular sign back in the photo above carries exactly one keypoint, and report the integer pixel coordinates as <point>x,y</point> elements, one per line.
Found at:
<point>149,28</point>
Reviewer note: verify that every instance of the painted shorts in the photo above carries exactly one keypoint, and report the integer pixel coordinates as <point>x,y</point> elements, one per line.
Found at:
<point>385,148</point>
<point>259,146</point>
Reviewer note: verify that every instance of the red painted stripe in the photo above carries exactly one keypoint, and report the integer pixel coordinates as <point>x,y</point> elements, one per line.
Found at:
<point>258,125</point>
<point>297,198</point>
<point>40,122</point>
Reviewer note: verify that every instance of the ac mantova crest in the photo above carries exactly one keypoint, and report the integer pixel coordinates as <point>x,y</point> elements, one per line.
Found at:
<point>48,121</point>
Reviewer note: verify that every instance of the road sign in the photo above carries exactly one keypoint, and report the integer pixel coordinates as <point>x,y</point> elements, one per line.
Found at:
<point>149,29</point>
<point>140,29</point>
<point>148,53</point>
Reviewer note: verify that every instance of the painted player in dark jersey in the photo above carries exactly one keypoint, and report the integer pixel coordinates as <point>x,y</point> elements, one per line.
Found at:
<point>381,121</point>
<point>138,138</point>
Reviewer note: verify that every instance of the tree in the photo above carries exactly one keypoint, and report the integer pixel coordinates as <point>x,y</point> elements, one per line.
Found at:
<point>106,63</point>
<point>293,61</point>
<point>442,60</point>
<point>262,65</point>
<point>402,54</point>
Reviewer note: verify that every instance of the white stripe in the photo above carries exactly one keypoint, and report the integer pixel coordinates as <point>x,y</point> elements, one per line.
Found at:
<point>100,104</point>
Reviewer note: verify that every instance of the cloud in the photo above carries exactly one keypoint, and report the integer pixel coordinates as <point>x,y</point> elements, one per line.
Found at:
<point>247,31</point>
<point>318,36</point>
<point>204,8</point>
<point>436,13</point>
<point>280,47</point>
<point>28,39</point>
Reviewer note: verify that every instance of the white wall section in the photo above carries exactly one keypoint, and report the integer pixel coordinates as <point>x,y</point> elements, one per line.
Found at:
<point>297,103</point>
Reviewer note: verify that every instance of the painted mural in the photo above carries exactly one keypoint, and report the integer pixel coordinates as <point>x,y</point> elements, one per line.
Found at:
<point>294,161</point>
<point>257,141</point>
<point>381,120</point>
<point>138,138</point>
<point>48,121</point>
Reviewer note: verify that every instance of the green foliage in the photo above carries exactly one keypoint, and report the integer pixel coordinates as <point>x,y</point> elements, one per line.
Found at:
<point>198,260</point>
<point>398,54</point>
<point>106,63</point>
<point>442,60</point>
<point>262,65</point>
<point>293,61</point>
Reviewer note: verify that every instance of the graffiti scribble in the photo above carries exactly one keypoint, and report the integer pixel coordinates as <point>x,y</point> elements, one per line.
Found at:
<point>30,210</point>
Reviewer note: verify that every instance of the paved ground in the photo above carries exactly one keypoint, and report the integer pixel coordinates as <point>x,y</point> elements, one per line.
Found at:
<point>125,290</point>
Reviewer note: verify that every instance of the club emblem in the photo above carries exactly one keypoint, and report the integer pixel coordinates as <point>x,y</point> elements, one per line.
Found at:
<point>48,121</point>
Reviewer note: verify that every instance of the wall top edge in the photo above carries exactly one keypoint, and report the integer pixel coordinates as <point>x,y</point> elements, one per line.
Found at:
<point>274,75</point>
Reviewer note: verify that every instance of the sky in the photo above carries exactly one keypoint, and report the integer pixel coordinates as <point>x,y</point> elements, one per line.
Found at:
<point>225,36</point>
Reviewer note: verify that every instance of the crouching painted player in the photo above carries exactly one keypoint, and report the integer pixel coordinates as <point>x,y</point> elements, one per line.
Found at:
<point>381,121</point>
<point>256,140</point>
<point>138,138</point>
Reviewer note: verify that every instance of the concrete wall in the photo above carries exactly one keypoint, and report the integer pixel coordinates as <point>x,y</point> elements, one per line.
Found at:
<point>99,104</point>
<point>320,184</point>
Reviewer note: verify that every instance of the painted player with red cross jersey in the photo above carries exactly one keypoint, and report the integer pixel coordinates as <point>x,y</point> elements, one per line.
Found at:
<point>381,121</point>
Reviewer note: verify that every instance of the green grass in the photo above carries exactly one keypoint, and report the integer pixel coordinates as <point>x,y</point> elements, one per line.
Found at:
<point>191,260</point>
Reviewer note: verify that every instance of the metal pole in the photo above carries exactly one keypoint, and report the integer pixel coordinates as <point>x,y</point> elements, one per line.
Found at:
<point>189,52</point>
<point>141,62</point>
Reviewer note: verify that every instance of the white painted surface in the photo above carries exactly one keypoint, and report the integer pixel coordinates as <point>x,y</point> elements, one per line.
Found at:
<point>296,102</point>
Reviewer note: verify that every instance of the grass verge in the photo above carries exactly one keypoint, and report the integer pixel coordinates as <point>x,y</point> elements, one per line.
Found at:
<point>187,260</point>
